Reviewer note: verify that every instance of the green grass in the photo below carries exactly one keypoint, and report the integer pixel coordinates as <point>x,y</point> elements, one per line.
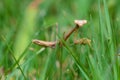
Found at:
<point>22,21</point>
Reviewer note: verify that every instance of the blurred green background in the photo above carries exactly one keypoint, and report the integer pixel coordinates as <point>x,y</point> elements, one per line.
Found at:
<point>21,21</point>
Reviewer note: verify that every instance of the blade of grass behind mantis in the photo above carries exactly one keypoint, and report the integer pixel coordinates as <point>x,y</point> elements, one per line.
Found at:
<point>95,52</point>
<point>102,29</point>
<point>111,44</point>
<point>102,32</point>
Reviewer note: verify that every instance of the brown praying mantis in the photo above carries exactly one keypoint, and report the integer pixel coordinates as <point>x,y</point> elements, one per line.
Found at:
<point>79,24</point>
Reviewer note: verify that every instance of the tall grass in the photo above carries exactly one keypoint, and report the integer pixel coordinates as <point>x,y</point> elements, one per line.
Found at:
<point>20,59</point>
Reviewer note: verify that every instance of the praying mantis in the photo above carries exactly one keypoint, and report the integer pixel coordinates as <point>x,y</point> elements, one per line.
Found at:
<point>79,24</point>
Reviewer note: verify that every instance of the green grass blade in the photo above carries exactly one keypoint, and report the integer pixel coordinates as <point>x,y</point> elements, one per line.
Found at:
<point>82,69</point>
<point>15,59</point>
